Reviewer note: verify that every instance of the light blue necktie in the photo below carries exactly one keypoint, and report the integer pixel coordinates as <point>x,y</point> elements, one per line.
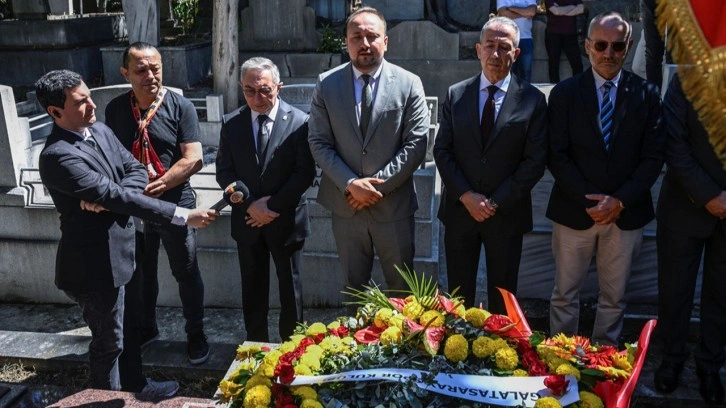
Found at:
<point>606,114</point>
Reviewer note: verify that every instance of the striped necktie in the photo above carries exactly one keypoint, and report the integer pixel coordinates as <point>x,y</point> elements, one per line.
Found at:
<point>606,114</point>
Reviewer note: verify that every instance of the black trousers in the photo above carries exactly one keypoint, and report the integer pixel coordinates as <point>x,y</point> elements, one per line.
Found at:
<point>555,44</point>
<point>254,263</point>
<point>130,368</point>
<point>679,257</point>
<point>502,253</point>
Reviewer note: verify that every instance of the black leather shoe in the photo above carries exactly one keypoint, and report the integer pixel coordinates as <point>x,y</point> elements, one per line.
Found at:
<point>666,377</point>
<point>711,387</point>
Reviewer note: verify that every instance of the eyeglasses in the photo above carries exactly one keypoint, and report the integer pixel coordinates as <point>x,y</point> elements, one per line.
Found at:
<point>600,46</point>
<point>264,92</point>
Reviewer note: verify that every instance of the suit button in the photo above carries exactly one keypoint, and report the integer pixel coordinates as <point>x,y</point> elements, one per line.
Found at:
<point>129,225</point>
<point>365,152</point>
<point>483,161</point>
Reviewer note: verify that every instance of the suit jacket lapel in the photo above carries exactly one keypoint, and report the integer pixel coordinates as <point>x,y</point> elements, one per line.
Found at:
<point>102,157</point>
<point>380,103</point>
<point>588,99</point>
<point>471,100</point>
<point>621,105</point>
<point>279,130</point>
<point>347,98</point>
<point>85,150</point>
<point>509,107</point>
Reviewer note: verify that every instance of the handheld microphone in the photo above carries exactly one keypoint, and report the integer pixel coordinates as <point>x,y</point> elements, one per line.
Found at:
<point>235,193</point>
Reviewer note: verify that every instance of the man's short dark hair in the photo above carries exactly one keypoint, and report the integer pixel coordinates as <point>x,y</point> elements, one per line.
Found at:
<point>362,10</point>
<point>50,88</point>
<point>137,46</point>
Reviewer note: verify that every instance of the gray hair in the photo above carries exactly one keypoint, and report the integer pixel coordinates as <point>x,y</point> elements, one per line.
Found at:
<point>505,21</point>
<point>610,15</point>
<point>261,64</point>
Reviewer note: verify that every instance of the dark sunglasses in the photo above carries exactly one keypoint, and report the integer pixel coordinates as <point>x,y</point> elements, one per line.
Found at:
<point>600,46</point>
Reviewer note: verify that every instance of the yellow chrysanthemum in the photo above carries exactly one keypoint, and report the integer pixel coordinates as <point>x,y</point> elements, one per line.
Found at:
<point>229,389</point>
<point>302,369</point>
<point>621,362</point>
<point>568,369</point>
<point>349,345</point>
<point>476,316</point>
<point>547,402</point>
<point>486,346</point>
<point>272,357</point>
<point>332,345</point>
<point>256,380</point>
<point>397,320</point>
<point>311,360</point>
<point>519,373</point>
<point>413,310</point>
<point>305,392</point>
<point>296,339</point>
<point>333,325</point>
<point>506,358</point>
<point>590,400</point>
<point>258,396</point>
<point>287,347</point>
<point>391,335</point>
<point>456,348</point>
<point>553,362</point>
<point>311,403</point>
<point>315,350</point>
<point>382,316</point>
<point>316,328</point>
<point>267,370</point>
<point>432,318</point>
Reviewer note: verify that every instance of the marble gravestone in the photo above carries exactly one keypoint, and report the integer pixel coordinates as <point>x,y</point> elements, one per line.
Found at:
<point>142,20</point>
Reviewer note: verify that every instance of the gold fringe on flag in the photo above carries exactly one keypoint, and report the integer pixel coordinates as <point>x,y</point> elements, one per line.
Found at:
<point>702,69</point>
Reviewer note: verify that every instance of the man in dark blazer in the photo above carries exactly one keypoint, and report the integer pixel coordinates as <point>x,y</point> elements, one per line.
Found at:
<point>95,185</point>
<point>606,142</point>
<point>488,177</point>
<point>264,146</point>
<point>691,212</point>
<point>369,151</point>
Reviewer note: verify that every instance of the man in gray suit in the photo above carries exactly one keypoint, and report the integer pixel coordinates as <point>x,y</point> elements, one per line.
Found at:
<point>367,132</point>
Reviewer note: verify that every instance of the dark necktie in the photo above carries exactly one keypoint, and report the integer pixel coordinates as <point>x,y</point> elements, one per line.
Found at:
<point>487,115</point>
<point>366,101</point>
<point>606,114</point>
<point>262,138</point>
<point>91,141</point>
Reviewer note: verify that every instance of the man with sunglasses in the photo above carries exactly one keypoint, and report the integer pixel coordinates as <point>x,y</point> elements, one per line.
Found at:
<point>606,149</point>
<point>264,146</point>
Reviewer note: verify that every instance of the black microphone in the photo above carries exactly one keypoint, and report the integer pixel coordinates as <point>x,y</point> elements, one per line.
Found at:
<point>235,193</point>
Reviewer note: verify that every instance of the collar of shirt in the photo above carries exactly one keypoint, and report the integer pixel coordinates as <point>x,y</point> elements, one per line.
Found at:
<point>84,135</point>
<point>600,81</point>
<point>358,84</point>
<point>503,86</point>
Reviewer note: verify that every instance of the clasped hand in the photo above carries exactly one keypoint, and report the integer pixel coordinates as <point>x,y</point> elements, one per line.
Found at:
<point>478,205</point>
<point>606,211</point>
<point>363,193</point>
<point>258,214</point>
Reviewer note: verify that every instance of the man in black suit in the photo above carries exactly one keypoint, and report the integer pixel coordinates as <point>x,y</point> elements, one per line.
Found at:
<point>691,212</point>
<point>606,142</point>
<point>264,146</point>
<point>490,151</point>
<point>95,185</point>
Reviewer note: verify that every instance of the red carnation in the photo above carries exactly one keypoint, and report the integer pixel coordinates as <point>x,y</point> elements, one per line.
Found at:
<point>534,365</point>
<point>285,372</point>
<point>305,342</point>
<point>318,337</point>
<point>557,384</point>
